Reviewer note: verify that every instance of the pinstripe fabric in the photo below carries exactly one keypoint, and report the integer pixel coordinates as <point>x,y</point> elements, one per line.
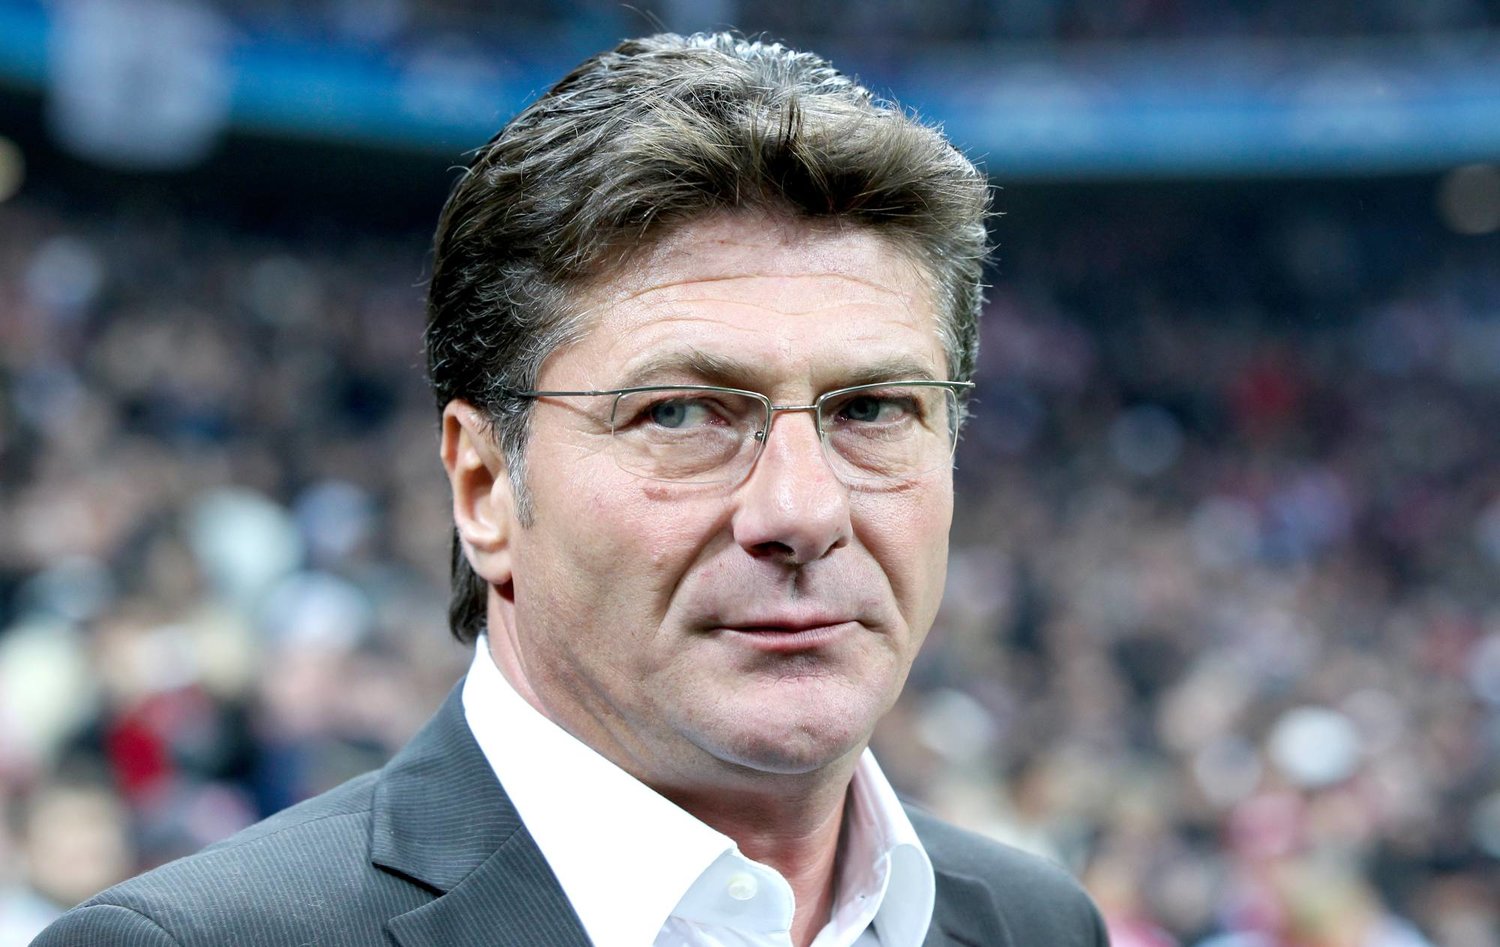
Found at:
<point>429,852</point>
<point>108,924</point>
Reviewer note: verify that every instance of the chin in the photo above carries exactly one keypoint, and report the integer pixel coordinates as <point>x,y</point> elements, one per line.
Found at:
<point>785,760</point>
<point>792,744</point>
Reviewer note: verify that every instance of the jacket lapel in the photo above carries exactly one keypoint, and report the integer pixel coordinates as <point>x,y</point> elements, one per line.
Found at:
<point>442,821</point>
<point>510,900</point>
<point>965,915</point>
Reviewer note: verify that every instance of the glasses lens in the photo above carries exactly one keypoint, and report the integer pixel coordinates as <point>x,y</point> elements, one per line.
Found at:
<point>688,435</point>
<point>890,432</point>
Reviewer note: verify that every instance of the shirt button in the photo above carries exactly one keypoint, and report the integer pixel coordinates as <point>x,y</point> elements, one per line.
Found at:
<point>742,887</point>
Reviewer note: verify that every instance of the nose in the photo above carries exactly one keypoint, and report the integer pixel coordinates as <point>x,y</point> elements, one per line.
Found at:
<point>792,507</point>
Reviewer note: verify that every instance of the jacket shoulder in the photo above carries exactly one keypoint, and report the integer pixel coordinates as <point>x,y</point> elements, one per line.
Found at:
<point>104,924</point>
<point>1036,899</point>
<point>353,798</point>
<point>303,875</point>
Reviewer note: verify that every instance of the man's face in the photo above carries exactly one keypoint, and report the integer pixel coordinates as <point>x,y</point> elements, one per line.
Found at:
<point>703,631</point>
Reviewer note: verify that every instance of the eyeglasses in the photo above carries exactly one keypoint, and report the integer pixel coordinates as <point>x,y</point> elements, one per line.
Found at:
<point>883,433</point>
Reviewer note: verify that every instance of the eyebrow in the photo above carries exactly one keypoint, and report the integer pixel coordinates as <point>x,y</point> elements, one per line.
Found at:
<point>691,363</point>
<point>732,373</point>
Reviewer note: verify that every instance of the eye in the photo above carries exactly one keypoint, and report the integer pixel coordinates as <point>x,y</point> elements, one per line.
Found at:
<point>681,413</point>
<point>876,408</point>
<point>864,408</point>
<point>675,413</point>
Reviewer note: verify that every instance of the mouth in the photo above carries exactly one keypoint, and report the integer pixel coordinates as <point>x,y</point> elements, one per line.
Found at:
<point>789,638</point>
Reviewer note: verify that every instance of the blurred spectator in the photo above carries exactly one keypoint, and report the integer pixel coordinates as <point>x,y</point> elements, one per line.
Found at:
<point>70,840</point>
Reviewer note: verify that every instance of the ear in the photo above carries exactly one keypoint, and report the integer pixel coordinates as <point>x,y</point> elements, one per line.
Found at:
<point>483,501</point>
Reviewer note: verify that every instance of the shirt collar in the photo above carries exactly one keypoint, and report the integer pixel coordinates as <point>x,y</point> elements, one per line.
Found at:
<point>880,843</point>
<point>626,856</point>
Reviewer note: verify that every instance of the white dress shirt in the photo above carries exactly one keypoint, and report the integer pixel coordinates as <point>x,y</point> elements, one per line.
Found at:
<point>640,870</point>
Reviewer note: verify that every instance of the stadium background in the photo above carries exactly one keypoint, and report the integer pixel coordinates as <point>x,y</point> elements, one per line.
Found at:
<point>1222,632</point>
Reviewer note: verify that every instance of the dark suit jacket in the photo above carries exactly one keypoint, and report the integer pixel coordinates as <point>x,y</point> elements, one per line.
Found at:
<point>429,852</point>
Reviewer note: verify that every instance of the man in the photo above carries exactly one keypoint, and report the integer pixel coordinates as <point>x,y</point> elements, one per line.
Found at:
<point>701,324</point>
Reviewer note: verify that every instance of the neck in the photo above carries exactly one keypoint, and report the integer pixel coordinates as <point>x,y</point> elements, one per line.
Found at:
<point>790,823</point>
<point>799,837</point>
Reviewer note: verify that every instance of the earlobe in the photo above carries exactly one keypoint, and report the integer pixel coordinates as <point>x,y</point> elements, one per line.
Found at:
<point>483,500</point>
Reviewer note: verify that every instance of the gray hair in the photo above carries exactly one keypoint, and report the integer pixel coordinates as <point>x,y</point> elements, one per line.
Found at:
<point>643,139</point>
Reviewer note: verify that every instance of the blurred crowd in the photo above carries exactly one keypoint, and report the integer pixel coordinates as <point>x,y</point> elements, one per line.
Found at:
<point>1222,632</point>
<point>844,24</point>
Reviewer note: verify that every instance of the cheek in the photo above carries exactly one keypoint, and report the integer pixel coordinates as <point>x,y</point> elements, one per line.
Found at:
<point>908,536</point>
<point>667,540</point>
<point>624,545</point>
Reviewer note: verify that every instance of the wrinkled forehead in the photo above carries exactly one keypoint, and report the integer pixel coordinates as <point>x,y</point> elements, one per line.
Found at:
<point>732,244</point>
<point>778,297</point>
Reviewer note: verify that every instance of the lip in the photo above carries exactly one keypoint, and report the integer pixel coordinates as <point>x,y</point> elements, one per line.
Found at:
<point>787,638</point>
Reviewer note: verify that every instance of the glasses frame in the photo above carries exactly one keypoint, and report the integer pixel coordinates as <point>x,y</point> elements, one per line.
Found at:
<point>958,388</point>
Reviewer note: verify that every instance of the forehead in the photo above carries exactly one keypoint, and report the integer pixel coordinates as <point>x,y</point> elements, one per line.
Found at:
<point>777,301</point>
